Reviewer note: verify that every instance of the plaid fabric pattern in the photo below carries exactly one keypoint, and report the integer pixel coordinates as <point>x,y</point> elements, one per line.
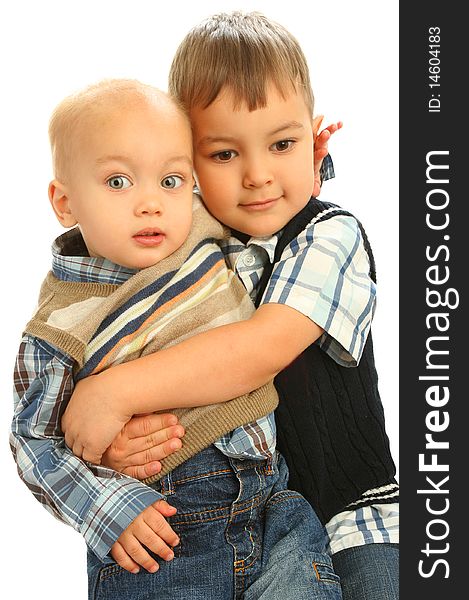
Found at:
<point>323,274</point>
<point>78,266</point>
<point>95,501</point>
<point>376,524</point>
<point>327,169</point>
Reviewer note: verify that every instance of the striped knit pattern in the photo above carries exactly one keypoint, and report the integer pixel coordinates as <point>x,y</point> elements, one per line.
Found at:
<point>148,319</point>
<point>189,292</point>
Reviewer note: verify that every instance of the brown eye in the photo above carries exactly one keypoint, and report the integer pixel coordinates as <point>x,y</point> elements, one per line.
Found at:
<point>283,145</point>
<point>224,156</point>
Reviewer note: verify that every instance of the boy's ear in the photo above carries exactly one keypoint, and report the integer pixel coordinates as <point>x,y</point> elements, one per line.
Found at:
<point>58,198</point>
<point>317,124</point>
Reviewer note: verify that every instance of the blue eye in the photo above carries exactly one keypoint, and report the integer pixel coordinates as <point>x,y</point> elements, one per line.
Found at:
<point>171,182</point>
<point>118,182</point>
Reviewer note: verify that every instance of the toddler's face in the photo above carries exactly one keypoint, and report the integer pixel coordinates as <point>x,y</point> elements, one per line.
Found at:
<point>254,169</point>
<point>131,182</point>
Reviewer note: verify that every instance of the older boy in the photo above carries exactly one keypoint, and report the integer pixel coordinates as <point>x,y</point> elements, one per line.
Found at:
<point>142,271</point>
<point>245,83</point>
<point>308,266</point>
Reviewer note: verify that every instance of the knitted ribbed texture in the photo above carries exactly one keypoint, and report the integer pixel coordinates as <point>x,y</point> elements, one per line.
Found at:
<point>56,295</point>
<point>199,435</point>
<point>330,420</point>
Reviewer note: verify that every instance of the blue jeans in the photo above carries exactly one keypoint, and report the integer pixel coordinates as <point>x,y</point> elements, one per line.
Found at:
<point>369,572</point>
<point>243,536</point>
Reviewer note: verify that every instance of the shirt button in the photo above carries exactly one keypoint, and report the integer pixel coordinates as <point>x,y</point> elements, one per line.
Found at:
<point>249,260</point>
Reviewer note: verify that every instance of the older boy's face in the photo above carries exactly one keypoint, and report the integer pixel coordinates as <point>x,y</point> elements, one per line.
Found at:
<point>131,184</point>
<point>254,169</point>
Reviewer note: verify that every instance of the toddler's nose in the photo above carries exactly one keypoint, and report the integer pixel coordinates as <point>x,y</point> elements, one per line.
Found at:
<point>149,205</point>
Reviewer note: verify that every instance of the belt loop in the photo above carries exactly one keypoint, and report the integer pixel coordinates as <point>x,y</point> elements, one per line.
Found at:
<point>268,467</point>
<point>271,464</point>
<point>167,485</point>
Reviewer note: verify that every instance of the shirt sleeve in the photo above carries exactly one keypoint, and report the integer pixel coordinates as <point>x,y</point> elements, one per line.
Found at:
<point>324,274</point>
<point>327,169</point>
<point>96,501</point>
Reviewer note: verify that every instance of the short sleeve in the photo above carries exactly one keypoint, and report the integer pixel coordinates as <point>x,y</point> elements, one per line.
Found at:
<point>324,274</point>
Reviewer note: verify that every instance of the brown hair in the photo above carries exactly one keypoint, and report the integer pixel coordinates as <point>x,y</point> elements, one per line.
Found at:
<point>94,102</point>
<point>242,51</point>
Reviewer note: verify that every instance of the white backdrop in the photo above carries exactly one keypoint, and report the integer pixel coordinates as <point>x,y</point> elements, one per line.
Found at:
<point>51,48</point>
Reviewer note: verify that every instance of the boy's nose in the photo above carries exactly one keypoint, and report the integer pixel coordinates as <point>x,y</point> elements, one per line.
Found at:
<point>257,175</point>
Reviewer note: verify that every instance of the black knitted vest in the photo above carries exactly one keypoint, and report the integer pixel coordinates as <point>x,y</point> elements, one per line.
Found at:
<point>330,420</point>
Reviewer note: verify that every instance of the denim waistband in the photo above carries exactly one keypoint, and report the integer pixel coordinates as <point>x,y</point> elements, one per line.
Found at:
<point>212,462</point>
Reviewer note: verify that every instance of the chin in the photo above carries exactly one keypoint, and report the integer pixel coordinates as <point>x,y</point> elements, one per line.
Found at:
<point>264,229</point>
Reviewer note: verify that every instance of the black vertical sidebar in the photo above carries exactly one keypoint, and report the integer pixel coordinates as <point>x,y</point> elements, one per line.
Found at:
<point>434,257</point>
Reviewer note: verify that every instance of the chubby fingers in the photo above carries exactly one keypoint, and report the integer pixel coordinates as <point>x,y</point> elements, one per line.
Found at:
<point>150,531</point>
<point>163,442</point>
<point>148,438</point>
<point>332,128</point>
<point>147,463</point>
<point>146,453</point>
<point>80,451</point>
<point>153,423</point>
<point>85,453</point>
<point>142,471</point>
<point>143,465</point>
<point>142,443</point>
<point>123,559</point>
<point>323,137</point>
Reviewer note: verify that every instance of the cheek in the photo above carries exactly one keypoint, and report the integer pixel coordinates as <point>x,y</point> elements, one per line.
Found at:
<point>181,219</point>
<point>212,188</point>
<point>206,176</point>
<point>302,173</point>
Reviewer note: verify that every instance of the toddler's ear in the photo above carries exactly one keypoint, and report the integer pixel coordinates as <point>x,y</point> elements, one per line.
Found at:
<point>60,204</point>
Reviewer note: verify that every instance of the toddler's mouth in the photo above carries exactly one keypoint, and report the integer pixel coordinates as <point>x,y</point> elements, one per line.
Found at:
<point>149,237</point>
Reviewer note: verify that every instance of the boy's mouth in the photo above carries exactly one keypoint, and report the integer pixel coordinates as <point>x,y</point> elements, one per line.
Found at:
<point>149,237</point>
<point>260,204</point>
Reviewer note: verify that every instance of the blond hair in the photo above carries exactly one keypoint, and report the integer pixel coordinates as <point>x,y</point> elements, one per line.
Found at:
<point>242,51</point>
<point>73,114</point>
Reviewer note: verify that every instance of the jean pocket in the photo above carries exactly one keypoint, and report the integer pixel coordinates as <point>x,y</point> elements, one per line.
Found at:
<point>112,582</point>
<point>323,569</point>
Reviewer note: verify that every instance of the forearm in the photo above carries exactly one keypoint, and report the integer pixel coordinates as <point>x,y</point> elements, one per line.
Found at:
<point>57,472</point>
<point>215,366</point>
<point>86,498</point>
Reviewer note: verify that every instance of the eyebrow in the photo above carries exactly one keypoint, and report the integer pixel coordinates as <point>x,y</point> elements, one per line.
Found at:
<point>111,157</point>
<point>209,139</point>
<point>287,125</point>
<point>121,158</point>
<point>181,158</point>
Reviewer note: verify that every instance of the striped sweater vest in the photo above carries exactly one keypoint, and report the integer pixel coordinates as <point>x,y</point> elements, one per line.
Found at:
<point>191,291</point>
<point>330,419</point>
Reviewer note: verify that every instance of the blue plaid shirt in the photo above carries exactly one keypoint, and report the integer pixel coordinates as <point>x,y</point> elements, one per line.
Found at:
<point>323,273</point>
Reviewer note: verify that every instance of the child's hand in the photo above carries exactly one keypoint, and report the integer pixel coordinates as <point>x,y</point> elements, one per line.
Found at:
<point>321,150</point>
<point>93,418</point>
<point>151,531</point>
<point>142,443</point>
